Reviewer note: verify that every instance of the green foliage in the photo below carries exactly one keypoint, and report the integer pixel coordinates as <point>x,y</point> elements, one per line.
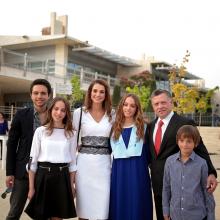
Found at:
<point>116,95</point>
<point>77,93</point>
<point>141,84</point>
<point>143,93</point>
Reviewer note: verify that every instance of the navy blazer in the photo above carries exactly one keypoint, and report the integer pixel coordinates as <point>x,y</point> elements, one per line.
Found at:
<point>19,143</point>
<point>169,147</point>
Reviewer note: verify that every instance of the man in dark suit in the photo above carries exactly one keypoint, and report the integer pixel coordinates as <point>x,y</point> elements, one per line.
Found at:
<point>19,143</point>
<point>162,104</point>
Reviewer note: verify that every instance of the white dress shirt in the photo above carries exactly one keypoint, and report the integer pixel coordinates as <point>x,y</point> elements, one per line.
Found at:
<point>165,124</point>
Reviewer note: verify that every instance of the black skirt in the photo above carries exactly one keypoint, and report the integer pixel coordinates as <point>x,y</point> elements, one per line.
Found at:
<point>53,193</point>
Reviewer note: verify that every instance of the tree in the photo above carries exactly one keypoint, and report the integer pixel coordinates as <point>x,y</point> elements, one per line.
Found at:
<point>77,93</point>
<point>188,99</point>
<point>184,97</point>
<point>143,93</point>
<point>141,84</point>
<point>204,102</point>
<point>116,96</point>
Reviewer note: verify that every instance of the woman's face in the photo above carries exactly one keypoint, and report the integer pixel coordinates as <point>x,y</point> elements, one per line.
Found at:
<point>1,116</point>
<point>59,112</point>
<point>129,107</point>
<point>98,93</point>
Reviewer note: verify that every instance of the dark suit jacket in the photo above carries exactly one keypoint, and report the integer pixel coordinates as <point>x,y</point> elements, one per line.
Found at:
<point>169,147</point>
<point>19,143</point>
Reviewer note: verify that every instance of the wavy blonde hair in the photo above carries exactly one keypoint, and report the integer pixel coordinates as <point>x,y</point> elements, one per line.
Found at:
<point>68,126</point>
<point>120,118</point>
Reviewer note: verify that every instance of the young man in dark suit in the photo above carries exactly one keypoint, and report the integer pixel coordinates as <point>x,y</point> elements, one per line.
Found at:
<point>162,134</point>
<point>19,143</point>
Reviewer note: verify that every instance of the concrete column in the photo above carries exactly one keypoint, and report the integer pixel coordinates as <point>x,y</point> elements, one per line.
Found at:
<point>52,22</point>
<point>61,59</point>
<point>1,57</point>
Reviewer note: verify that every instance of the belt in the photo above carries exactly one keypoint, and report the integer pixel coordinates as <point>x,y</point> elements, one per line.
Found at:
<point>94,149</point>
<point>53,167</point>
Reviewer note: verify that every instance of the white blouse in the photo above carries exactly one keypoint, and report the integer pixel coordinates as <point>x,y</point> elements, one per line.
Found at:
<point>56,148</point>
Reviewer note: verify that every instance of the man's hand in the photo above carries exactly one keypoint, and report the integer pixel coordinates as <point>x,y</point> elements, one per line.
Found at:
<point>9,181</point>
<point>166,217</point>
<point>211,183</point>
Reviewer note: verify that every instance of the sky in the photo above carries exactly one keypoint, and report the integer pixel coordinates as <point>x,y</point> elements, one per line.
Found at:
<point>164,29</point>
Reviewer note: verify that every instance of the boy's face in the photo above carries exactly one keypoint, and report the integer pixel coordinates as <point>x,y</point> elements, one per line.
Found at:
<point>186,146</point>
<point>39,96</point>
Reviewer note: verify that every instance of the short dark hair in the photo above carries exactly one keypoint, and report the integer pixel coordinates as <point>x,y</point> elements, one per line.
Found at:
<point>188,131</point>
<point>43,82</point>
<point>159,92</point>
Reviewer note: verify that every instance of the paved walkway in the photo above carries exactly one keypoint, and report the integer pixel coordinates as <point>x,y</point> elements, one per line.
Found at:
<point>213,148</point>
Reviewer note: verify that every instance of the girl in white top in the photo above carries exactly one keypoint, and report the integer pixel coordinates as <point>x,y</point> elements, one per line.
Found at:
<point>93,160</point>
<point>52,166</point>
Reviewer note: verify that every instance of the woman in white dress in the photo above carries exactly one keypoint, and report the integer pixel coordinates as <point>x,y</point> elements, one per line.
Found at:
<point>52,166</point>
<point>93,160</point>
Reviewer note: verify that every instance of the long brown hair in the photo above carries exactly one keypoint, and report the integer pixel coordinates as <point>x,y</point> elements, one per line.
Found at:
<point>68,126</point>
<point>120,118</point>
<point>107,104</point>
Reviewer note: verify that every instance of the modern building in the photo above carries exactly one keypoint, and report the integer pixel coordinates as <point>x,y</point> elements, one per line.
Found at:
<point>56,56</point>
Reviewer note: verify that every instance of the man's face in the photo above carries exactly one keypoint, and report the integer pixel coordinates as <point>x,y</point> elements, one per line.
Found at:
<point>162,105</point>
<point>39,96</point>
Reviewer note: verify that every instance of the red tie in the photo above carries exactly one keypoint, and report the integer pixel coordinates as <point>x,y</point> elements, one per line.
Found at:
<point>158,137</point>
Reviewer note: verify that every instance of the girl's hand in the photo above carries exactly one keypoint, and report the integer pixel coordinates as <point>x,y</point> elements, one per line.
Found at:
<point>73,191</point>
<point>31,193</point>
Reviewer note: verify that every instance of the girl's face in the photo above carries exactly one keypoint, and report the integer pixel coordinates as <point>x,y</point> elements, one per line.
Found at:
<point>98,93</point>
<point>129,107</point>
<point>59,112</point>
<point>1,116</point>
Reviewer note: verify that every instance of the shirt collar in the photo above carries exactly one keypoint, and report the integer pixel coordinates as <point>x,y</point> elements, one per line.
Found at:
<point>191,157</point>
<point>37,113</point>
<point>167,119</point>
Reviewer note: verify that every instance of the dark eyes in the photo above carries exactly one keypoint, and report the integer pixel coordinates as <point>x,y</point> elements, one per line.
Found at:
<point>36,93</point>
<point>101,91</point>
<point>63,110</point>
<point>132,106</point>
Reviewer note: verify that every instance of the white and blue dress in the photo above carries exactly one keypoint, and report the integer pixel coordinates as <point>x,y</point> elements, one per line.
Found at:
<point>130,194</point>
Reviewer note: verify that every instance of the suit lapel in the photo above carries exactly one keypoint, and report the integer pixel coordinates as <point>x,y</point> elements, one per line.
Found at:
<point>30,120</point>
<point>152,147</point>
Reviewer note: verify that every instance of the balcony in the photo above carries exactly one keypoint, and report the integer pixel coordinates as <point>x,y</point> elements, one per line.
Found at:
<point>23,66</point>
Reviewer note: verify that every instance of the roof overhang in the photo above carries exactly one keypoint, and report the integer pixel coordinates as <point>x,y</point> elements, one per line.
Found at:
<point>21,42</point>
<point>96,51</point>
<point>164,67</point>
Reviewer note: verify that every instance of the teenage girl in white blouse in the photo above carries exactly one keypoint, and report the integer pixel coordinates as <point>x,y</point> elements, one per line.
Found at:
<point>52,166</point>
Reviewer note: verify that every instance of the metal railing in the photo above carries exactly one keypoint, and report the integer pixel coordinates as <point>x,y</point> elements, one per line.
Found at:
<point>206,118</point>
<point>9,111</point>
<point>27,63</point>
